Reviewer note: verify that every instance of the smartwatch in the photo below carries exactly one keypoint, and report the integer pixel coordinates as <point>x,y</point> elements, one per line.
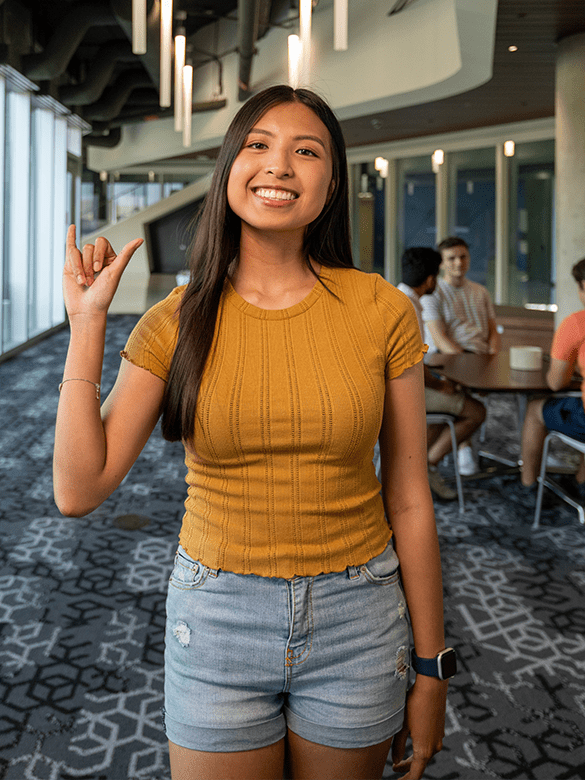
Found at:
<point>443,666</point>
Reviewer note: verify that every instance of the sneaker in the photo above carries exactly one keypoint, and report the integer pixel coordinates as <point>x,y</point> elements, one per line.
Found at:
<point>439,486</point>
<point>466,461</point>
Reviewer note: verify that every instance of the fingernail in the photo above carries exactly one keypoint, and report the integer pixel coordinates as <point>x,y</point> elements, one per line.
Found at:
<point>80,279</point>
<point>96,266</point>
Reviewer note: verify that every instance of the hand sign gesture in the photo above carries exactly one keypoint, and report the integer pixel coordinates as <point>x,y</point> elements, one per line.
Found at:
<point>91,277</point>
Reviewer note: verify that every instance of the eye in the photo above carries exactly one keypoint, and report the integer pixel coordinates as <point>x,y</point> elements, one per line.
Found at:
<point>256,145</point>
<point>307,152</point>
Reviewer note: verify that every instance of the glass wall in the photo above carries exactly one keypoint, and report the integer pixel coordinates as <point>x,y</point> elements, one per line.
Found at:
<point>532,261</point>
<point>34,159</point>
<point>472,209</point>
<point>416,203</point>
<point>471,198</point>
<point>368,218</point>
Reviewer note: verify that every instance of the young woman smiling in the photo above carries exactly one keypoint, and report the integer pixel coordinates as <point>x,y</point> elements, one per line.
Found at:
<point>279,366</point>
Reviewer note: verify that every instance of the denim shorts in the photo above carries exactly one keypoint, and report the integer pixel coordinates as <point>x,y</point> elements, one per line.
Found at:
<point>248,657</point>
<point>565,415</point>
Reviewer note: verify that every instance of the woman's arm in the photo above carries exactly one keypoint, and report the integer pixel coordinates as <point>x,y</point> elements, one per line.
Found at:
<point>94,448</point>
<point>409,508</point>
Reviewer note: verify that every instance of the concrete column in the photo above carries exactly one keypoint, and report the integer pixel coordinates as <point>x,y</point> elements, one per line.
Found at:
<point>569,169</point>
<point>502,226</point>
<point>442,201</point>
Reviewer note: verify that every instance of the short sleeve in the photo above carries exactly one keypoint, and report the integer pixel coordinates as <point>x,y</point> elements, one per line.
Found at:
<point>491,312</point>
<point>404,345</point>
<point>568,338</point>
<point>152,342</point>
<point>431,308</point>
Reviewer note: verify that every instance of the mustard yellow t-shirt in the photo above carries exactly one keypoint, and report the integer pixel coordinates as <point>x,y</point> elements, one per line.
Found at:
<point>281,483</point>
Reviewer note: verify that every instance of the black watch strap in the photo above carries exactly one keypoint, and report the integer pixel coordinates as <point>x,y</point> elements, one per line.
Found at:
<point>443,666</point>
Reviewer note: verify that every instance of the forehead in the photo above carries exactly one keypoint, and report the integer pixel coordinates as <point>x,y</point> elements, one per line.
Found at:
<point>455,251</point>
<point>294,119</point>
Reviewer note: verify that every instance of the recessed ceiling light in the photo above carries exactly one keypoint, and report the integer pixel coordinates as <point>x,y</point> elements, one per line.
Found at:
<point>512,48</point>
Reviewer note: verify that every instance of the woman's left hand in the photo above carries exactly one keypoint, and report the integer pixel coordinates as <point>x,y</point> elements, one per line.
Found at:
<point>424,722</point>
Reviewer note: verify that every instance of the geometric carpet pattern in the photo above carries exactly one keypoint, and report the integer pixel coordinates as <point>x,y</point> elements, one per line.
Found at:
<point>82,608</point>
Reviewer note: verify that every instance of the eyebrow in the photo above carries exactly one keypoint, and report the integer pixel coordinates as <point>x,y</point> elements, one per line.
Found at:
<point>296,138</point>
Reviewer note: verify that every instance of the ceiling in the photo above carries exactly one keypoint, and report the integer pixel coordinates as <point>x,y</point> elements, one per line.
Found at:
<point>522,86</point>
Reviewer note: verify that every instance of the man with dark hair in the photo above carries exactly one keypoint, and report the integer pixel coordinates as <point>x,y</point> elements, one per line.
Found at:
<point>420,266</point>
<point>459,317</point>
<point>564,414</point>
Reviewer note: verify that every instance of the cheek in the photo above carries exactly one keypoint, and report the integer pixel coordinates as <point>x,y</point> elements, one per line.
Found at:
<point>235,185</point>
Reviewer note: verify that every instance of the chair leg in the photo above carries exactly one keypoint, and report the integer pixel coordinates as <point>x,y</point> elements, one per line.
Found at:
<point>541,480</point>
<point>458,480</point>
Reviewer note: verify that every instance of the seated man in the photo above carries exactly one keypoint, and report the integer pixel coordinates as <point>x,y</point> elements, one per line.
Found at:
<point>566,415</point>
<point>459,317</point>
<point>420,266</point>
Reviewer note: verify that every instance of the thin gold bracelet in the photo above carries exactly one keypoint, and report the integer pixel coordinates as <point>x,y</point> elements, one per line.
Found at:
<point>95,384</point>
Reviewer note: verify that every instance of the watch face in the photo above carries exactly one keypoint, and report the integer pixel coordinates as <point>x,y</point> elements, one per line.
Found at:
<point>447,663</point>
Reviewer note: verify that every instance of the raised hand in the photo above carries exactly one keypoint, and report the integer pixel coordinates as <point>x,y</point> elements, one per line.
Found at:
<point>91,277</point>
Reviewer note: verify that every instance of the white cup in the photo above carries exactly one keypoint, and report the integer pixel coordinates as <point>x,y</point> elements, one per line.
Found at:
<point>526,358</point>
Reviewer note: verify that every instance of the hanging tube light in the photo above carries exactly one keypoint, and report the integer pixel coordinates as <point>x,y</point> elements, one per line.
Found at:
<point>180,48</point>
<point>340,24</point>
<point>166,45</point>
<point>138,26</point>
<point>294,60</point>
<point>305,17</point>
<point>187,103</point>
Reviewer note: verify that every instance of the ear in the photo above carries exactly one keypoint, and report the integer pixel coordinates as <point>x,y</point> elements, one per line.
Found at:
<point>429,281</point>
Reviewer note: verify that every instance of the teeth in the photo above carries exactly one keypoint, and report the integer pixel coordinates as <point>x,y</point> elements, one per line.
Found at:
<point>275,194</point>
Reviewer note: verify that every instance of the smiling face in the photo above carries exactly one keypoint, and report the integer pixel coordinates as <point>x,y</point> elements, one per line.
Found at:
<point>455,264</point>
<point>282,176</point>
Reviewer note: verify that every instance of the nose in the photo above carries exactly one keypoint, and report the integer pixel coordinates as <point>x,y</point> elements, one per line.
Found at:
<point>279,164</point>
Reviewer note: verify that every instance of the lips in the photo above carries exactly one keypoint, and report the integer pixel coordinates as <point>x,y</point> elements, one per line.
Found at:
<point>272,194</point>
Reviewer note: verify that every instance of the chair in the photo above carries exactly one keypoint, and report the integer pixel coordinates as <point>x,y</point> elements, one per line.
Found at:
<point>542,480</point>
<point>441,418</point>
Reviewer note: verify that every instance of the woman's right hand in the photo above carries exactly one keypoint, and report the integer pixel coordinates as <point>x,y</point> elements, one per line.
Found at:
<point>91,277</point>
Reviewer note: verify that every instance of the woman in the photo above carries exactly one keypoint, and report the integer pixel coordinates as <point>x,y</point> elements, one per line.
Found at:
<point>278,366</point>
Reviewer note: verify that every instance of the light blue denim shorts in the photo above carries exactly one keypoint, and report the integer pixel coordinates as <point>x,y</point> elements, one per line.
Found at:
<point>248,657</point>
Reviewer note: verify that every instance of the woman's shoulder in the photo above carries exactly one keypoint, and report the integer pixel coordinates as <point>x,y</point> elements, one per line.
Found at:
<point>375,298</point>
<point>367,284</point>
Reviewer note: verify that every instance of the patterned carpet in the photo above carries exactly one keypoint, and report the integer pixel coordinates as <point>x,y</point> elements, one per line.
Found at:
<point>82,606</point>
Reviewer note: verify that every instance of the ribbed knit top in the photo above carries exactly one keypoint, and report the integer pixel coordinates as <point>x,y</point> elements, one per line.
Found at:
<point>282,483</point>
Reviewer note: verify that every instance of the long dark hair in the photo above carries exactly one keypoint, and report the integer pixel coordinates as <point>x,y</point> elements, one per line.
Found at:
<point>216,245</point>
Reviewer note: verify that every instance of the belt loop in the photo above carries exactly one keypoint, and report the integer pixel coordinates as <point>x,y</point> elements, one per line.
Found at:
<point>214,572</point>
<point>353,572</point>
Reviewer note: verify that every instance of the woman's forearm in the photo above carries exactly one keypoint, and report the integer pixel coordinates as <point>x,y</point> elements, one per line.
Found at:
<point>80,445</point>
<point>417,548</point>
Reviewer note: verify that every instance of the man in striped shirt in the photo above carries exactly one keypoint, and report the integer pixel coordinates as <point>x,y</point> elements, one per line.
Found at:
<point>459,316</point>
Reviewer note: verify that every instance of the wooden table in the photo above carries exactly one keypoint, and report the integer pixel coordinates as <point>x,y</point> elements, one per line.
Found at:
<point>492,374</point>
<point>489,373</point>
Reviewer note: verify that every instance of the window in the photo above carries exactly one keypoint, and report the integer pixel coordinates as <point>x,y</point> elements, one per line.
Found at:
<point>531,278</point>
<point>416,203</point>
<point>37,199</point>
<point>472,207</point>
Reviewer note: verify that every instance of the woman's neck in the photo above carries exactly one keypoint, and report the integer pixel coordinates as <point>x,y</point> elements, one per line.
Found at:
<point>272,272</point>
